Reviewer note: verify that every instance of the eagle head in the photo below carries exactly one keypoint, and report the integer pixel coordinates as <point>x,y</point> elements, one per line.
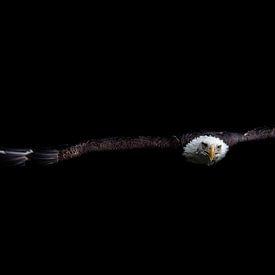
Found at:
<point>206,150</point>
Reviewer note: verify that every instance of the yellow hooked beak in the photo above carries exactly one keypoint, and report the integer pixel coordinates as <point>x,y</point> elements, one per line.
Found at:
<point>211,152</point>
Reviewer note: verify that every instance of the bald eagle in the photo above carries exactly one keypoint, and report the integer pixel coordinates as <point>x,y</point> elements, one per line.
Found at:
<point>205,148</point>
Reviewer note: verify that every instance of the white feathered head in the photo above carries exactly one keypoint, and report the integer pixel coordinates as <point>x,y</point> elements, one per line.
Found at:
<point>205,150</point>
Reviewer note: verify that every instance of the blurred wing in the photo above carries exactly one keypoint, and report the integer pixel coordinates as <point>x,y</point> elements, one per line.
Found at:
<point>18,157</point>
<point>14,157</point>
<point>22,157</point>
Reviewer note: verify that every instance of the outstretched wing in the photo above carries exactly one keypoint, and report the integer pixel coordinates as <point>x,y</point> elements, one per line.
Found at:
<point>17,157</point>
<point>14,157</point>
<point>259,134</point>
<point>233,138</point>
<point>23,157</point>
<point>119,144</point>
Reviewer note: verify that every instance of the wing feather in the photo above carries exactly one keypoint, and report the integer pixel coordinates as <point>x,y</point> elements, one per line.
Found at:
<point>259,134</point>
<point>120,144</point>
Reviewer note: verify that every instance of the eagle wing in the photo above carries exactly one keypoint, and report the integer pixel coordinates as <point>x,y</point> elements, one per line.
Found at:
<point>232,138</point>
<point>17,157</point>
<point>14,157</point>
<point>119,144</point>
<point>259,134</point>
<point>21,157</point>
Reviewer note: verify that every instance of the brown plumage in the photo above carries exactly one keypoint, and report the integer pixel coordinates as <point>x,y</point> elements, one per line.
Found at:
<point>173,143</point>
<point>119,144</point>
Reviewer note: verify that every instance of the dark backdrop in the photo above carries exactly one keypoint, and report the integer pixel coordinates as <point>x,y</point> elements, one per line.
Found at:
<point>63,83</point>
<point>63,86</point>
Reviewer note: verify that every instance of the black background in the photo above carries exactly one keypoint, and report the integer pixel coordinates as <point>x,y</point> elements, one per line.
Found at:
<point>64,81</point>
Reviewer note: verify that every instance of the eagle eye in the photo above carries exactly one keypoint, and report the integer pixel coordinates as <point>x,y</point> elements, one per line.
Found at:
<point>219,147</point>
<point>204,145</point>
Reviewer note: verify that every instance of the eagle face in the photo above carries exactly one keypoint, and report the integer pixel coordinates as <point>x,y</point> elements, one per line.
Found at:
<point>206,150</point>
